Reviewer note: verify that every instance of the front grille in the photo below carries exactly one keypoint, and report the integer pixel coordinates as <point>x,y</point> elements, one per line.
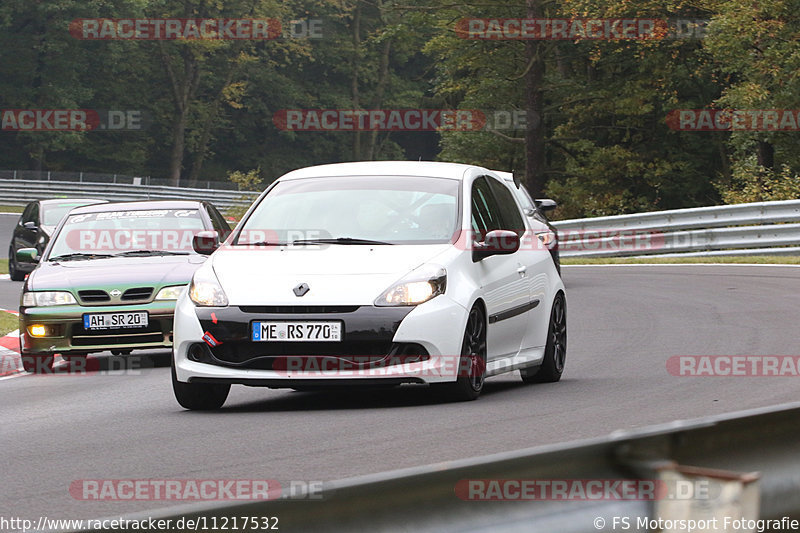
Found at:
<point>138,293</point>
<point>116,339</point>
<point>356,355</point>
<point>368,331</point>
<point>298,309</point>
<point>92,296</point>
<point>153,332</point>
<point>241,352</point>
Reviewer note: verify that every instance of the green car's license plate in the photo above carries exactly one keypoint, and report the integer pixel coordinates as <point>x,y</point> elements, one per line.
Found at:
<point>134,319</point>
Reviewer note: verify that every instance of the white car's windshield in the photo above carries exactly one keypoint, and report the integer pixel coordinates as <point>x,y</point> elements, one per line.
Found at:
<point>356,210</point>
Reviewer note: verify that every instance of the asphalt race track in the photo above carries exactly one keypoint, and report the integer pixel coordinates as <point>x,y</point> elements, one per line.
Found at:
<point>624,323</point>
<point>7,223</point>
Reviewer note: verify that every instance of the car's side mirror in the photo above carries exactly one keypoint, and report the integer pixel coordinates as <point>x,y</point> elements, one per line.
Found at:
<point>27,255</point>
<point>205,242</point>
<point>545,204</point>
<point>496,242</point>
<point>29,224</point>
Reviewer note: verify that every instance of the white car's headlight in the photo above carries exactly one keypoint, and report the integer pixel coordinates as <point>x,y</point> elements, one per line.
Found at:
<point>170,293</point>
<point>205,290</point>
<point>419,286</point>
<point>47,298</point>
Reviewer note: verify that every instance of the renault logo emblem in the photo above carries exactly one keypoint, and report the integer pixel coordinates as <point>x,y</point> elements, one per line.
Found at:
<point>301,290</point>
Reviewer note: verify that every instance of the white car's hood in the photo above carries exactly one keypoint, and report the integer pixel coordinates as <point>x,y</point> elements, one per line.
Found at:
<point>335,274</point>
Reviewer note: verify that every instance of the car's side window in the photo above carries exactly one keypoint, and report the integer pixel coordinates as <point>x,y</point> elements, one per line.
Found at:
<point>222,227</point>
<point>27,213</point>
<point>485,212</point>
<point>512,219</point>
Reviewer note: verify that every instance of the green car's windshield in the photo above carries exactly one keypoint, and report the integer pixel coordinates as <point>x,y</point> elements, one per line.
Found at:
<point>134,232</point>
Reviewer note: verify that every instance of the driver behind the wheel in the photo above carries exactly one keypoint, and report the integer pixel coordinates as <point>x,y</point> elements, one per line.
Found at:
<point>436,221</point>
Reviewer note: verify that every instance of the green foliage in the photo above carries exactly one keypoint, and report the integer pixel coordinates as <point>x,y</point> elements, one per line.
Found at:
<point>246,181</point>
<point>608,148</point>
<point>753,183</point>
<point>8,322</point>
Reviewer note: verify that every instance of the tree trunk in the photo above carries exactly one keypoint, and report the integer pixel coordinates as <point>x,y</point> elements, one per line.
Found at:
<point>178,142</point>
<point>205,135</point>
<point>766,155</point>
<point>354,79</point>
<point>379,93</point>
<point>534,133</point>
<point>183,90</point>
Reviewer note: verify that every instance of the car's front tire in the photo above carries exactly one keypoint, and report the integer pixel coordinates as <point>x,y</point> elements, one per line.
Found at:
<point>37,364</point>
<point>13,269</point>
<point>555,352</point>
<point>471,370</point>
<point>199,396</point>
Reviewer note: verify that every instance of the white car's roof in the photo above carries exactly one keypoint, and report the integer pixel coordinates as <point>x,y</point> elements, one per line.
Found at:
<point>508,176</point>
<point>429,169</point>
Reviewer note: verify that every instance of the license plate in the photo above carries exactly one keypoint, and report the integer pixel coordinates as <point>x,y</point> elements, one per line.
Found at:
<point>136,319</point>
<point>297,331</point>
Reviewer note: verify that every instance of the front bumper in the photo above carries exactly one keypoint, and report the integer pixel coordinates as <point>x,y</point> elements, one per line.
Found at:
<point>381,345</point>
<point>66,334</point>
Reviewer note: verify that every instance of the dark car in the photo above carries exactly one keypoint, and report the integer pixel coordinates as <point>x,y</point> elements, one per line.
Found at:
<point>110,277</point>
<point>35,226</point>
<point>535,209</point>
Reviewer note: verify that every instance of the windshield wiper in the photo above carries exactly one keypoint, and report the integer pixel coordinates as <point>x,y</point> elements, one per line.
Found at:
<point>76,255</point>
<point>339,240</point>
<point>151,252</point>
<point>262,243</point>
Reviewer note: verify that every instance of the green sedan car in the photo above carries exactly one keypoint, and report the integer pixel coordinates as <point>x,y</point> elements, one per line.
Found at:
<point>109,279</point>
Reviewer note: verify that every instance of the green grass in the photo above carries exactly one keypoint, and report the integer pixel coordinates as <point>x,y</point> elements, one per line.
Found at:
<point>8,323</point>
<point>759,259</point>
<point>11,208</point>
<point>4,266</point>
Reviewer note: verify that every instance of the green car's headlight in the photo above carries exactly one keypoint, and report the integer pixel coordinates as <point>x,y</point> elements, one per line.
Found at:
<point>170,293</point>
<point>47,298</point>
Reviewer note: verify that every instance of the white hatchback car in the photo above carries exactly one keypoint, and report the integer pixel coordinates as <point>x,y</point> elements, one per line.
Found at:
<point>372,273</point>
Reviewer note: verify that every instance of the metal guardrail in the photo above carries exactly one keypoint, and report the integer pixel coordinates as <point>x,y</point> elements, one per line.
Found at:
<point>762,228</point>
<point>761,444</point>
<point>17,192</point>
<point>110,178</point>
